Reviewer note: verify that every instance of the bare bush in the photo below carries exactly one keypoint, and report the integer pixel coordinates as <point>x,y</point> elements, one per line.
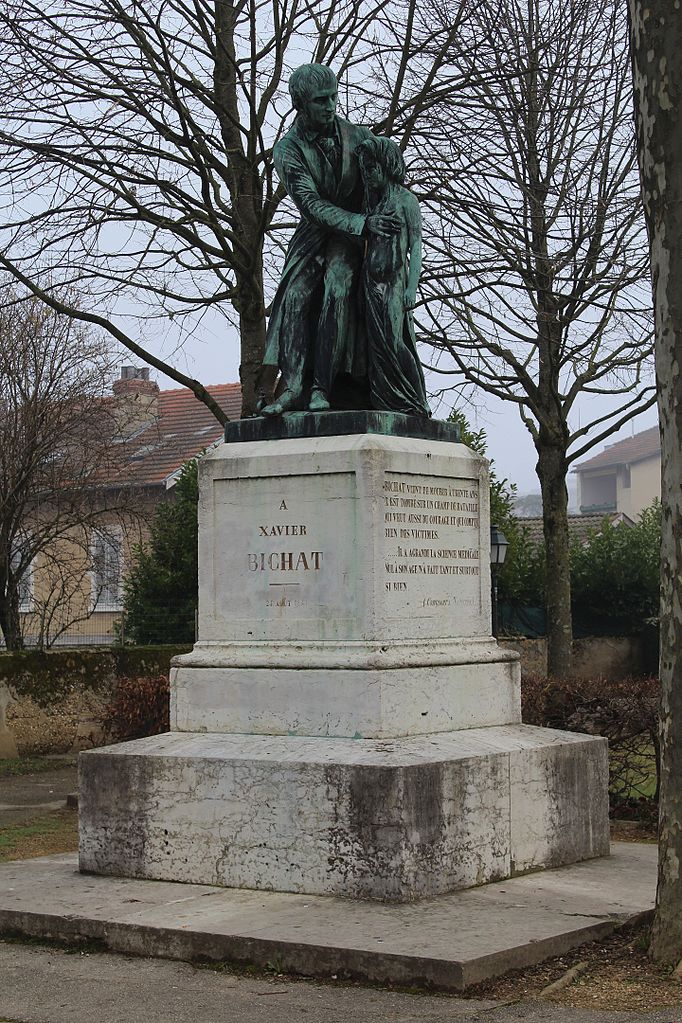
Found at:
<point>625,712</point>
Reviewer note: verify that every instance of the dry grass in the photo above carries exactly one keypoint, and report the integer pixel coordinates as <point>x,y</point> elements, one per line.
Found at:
<point>18,766</point>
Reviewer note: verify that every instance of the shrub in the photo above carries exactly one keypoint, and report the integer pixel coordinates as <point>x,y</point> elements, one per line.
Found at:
<point>626,712</point>
<point>140,707</point>
<point>160,594</point>
<point>50,676</point>
<point>615,575</point>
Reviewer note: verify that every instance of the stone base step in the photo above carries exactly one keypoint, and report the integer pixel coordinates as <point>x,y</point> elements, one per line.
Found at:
<point>396,820</point>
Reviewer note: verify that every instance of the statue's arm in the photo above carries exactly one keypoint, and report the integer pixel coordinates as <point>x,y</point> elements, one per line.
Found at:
<point>414,241</point>
<point>295,175</point>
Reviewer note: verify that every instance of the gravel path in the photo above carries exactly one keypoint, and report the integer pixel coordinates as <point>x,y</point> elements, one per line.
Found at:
<point>45,985</point>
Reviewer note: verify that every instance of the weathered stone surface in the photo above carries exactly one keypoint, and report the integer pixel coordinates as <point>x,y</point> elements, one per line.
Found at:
<point>365,703</point>
<point>608,657</point>
<point>450,942</point>
<point>70,723</point>
<point>8,746</point>
<point>393,820</point>
<point>344,590</point>
<point>559,803</point>
<point>345,540</point>
<point>345,724</point>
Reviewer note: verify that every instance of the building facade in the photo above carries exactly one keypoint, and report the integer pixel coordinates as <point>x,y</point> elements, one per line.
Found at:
<point>625,477</point>
<point>73,591</point>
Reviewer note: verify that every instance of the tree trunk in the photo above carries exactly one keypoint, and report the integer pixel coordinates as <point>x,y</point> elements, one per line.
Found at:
<point>10,624</point>
<point>551,470</point>
<point>246,196</point>
<point>252,335</point>
<point>656,39</point>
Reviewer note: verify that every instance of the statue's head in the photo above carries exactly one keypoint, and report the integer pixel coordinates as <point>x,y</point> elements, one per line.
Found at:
<point>309,79</point>
<point>381,160</point>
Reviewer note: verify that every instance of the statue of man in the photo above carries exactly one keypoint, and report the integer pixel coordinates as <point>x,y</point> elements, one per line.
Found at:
<point>313,333</point>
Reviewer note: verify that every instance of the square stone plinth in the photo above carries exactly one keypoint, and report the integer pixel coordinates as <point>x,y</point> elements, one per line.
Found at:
<point>344,590</point>
<point>343,542</point>
<point>394,820</point>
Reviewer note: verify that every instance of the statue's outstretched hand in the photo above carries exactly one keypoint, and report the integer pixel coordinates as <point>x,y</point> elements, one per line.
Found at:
<point>383,224</point>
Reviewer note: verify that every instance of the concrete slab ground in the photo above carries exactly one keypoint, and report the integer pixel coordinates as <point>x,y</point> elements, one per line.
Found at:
<point>449,942</point>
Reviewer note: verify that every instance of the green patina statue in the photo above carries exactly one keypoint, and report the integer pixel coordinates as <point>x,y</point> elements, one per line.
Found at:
<point>340,331</point>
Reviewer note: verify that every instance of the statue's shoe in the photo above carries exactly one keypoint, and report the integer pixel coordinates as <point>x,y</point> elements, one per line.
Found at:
<point>318,401</point>
<point>287,400</point>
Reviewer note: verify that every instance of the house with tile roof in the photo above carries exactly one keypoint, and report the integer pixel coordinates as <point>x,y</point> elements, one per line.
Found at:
<point>625,477</point>
<point>160,430</point>
<point>154,433</point>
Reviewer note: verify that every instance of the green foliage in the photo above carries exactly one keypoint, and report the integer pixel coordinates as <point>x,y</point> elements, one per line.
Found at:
<point>131,662</point>
<point>48,676</point>
<point>615,576</point>
<point>160,594</point>
<point>521,578</point>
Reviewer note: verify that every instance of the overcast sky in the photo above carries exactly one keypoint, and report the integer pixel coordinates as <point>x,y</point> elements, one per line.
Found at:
<point>213,358</point>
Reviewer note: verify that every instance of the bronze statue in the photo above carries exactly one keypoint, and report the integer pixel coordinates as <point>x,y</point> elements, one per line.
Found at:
<point>317,334</point>
<point>390,275</point>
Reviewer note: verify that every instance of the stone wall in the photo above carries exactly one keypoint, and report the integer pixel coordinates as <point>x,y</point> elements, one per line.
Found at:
<point>54,700</point>
<point>611,657</point>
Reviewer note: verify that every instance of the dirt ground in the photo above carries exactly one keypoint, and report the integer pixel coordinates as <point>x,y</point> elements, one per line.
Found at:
<point>43,835</point>
<point>614,973</point>
<point>34,817</point>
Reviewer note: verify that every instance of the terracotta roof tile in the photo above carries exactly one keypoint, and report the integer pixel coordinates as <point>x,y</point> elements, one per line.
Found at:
<point>646,444</point>
<point>184,428</point>
<point>579,526</point>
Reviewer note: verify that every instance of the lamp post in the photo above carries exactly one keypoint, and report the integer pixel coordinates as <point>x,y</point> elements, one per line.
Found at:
<point>498,552</point>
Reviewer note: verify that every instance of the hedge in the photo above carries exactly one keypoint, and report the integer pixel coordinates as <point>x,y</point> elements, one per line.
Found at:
<point>50,675</point>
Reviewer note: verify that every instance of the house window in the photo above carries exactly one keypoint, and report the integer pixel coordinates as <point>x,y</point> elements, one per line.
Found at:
<point>25,586</point>
<point>626,477</point>
<point>107,570</point>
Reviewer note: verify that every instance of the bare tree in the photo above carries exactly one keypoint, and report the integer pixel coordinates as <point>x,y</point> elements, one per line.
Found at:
<point>536,287</point>
<point>136,140</point>
<point>57,447</point>
<point>656,40</point>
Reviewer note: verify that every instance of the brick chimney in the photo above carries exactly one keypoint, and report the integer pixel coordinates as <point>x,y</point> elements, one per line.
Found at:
<point>137,400</point>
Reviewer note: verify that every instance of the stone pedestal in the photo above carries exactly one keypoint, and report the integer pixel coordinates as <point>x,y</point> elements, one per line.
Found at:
<point>344,590</point>
<point>345,723</point>
<point>366,819</point>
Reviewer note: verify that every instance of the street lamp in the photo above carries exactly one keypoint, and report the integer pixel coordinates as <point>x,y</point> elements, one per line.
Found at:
<point>498,552</point>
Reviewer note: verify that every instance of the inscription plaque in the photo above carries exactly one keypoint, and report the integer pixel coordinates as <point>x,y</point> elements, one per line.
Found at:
<point>287,540</point>
<point>431,545</point>
<point>319,557</point>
